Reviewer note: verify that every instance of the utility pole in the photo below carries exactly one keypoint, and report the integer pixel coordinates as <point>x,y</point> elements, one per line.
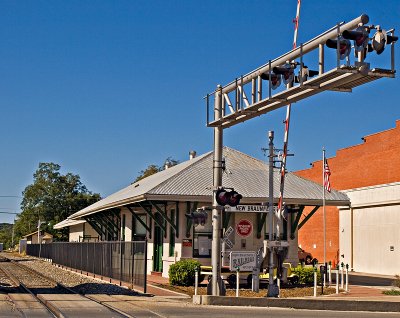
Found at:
<point>12,234</point>
<point>273,290</point>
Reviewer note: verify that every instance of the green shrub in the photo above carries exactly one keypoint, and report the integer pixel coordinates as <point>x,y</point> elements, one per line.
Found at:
<point>306,275</point>
<point>182,273</point>
<point>392,292</point>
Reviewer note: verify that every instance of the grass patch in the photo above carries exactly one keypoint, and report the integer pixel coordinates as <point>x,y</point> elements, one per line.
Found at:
<point>392,292</point>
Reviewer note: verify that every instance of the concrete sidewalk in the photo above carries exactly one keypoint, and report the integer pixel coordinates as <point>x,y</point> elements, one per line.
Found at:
<point>152,288</point>
<point>358,298</point>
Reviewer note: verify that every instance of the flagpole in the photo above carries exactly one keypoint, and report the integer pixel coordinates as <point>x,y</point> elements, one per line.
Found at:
<point>323,201</point>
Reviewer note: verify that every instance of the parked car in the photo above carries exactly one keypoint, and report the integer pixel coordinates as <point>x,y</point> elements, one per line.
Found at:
<point>304,256</point>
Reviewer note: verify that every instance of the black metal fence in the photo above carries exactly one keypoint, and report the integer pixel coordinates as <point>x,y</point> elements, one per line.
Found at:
<point>123,261</point>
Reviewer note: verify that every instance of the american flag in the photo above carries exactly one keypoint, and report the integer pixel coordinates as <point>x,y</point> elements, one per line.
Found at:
<point>327,173</point>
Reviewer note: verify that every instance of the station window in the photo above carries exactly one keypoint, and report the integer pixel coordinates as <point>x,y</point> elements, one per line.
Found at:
<point>138,230</point>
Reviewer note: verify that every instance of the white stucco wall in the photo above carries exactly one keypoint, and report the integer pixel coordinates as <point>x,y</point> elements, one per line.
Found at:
<point>128,223</point>
<point>75,231</point>
<point>345,237</point>
<point>88,230</point>
<point>376,222</point>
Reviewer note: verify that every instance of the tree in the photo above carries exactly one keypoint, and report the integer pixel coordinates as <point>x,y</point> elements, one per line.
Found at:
<point>152,169</point>
<point>52,198</point>
<point>6,234</point>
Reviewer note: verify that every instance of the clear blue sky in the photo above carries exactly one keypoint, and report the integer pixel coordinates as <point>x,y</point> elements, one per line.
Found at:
<point>105,88</point>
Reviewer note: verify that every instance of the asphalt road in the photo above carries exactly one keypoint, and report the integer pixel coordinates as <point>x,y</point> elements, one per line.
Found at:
<point>161,308</point>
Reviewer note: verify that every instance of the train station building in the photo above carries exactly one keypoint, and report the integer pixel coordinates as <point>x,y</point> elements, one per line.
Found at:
<point>155,209</point>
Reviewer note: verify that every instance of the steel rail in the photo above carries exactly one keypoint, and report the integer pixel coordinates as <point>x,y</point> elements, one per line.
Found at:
<point>59,285</point>
<point>25,288</point>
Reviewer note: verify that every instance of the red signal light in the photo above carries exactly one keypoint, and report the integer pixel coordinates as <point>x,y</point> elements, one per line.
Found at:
<point>360,36</point>
<point>344,46</point>
<point>286,71</point>
<point>225,197</point>
<point>275,79</point>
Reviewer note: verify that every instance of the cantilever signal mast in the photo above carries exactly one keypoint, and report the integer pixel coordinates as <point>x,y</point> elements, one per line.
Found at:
<point>287,122</point>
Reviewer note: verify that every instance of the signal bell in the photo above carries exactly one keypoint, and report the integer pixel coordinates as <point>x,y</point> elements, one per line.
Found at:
<point>380,39</point>
<point>225,197</point>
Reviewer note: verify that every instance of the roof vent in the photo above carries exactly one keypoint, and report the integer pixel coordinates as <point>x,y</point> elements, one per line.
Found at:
<point>192,154</point>
<point>167,165</point>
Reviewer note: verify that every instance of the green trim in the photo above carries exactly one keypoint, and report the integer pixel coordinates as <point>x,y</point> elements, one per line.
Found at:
<point>189,209</point>
<point>117,213</point>
<point>164,214</point>
<point>148,229</point>
<point>98,217</point>
<point>148,211</point>
<point>261,217</point>
<point>226,219</point>
<point>172,235</point>
<point>177,220</point>
<point>95,227</point>
<point>308,216</point>
<point>111,222</point>
<point>295,223</point>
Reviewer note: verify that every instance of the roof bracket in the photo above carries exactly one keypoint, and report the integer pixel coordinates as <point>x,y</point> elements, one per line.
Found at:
<point>309,215</point>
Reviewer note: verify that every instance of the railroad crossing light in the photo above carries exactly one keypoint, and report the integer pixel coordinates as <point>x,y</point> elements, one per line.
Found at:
<point>344,46</point>
<point>286,71</point>
<point>275,79</point>
<point>304,74</point>
<point>360,36</point>
<point>381,39</point>
<point>198,217</point>
<point>226,197</point>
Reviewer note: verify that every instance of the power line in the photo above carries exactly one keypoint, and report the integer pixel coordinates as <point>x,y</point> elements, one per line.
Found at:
<point>10,196</point>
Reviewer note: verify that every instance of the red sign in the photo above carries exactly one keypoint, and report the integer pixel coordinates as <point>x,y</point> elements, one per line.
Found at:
<point>244,228</point>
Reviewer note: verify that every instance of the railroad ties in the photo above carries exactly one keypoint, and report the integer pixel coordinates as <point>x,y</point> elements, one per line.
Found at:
<point>33,294</point>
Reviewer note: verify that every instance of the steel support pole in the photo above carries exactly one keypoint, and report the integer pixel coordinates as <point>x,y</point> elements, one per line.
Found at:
<point>321,59</point>
<point>217,182</point>
<point>323,202</point>
<point>272,288</point>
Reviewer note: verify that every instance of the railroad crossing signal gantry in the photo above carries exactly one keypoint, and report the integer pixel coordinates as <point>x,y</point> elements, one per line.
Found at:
<point>246,92</point>
<point>243,98</point>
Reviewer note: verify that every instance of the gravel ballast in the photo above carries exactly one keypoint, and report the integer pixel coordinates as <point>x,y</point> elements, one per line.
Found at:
<point>77,282</point>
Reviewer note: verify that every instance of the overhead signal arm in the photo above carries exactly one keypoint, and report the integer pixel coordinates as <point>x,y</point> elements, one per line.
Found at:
<point>307,82</point>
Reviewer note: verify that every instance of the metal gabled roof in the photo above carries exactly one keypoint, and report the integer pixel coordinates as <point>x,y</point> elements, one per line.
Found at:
<point>192,181</point>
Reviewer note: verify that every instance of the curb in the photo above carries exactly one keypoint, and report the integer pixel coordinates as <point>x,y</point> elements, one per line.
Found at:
<point>300,303</point>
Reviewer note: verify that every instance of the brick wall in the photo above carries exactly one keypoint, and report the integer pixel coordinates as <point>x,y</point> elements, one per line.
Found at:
<point>375,161</point>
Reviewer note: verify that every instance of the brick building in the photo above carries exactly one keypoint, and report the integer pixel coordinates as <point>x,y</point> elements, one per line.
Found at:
<point>366,235</point>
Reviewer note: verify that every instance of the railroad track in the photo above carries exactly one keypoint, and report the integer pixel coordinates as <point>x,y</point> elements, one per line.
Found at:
<point>32,282</point>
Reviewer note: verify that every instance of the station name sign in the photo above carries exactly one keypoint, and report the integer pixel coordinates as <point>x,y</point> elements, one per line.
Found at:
<point>249,208</point>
